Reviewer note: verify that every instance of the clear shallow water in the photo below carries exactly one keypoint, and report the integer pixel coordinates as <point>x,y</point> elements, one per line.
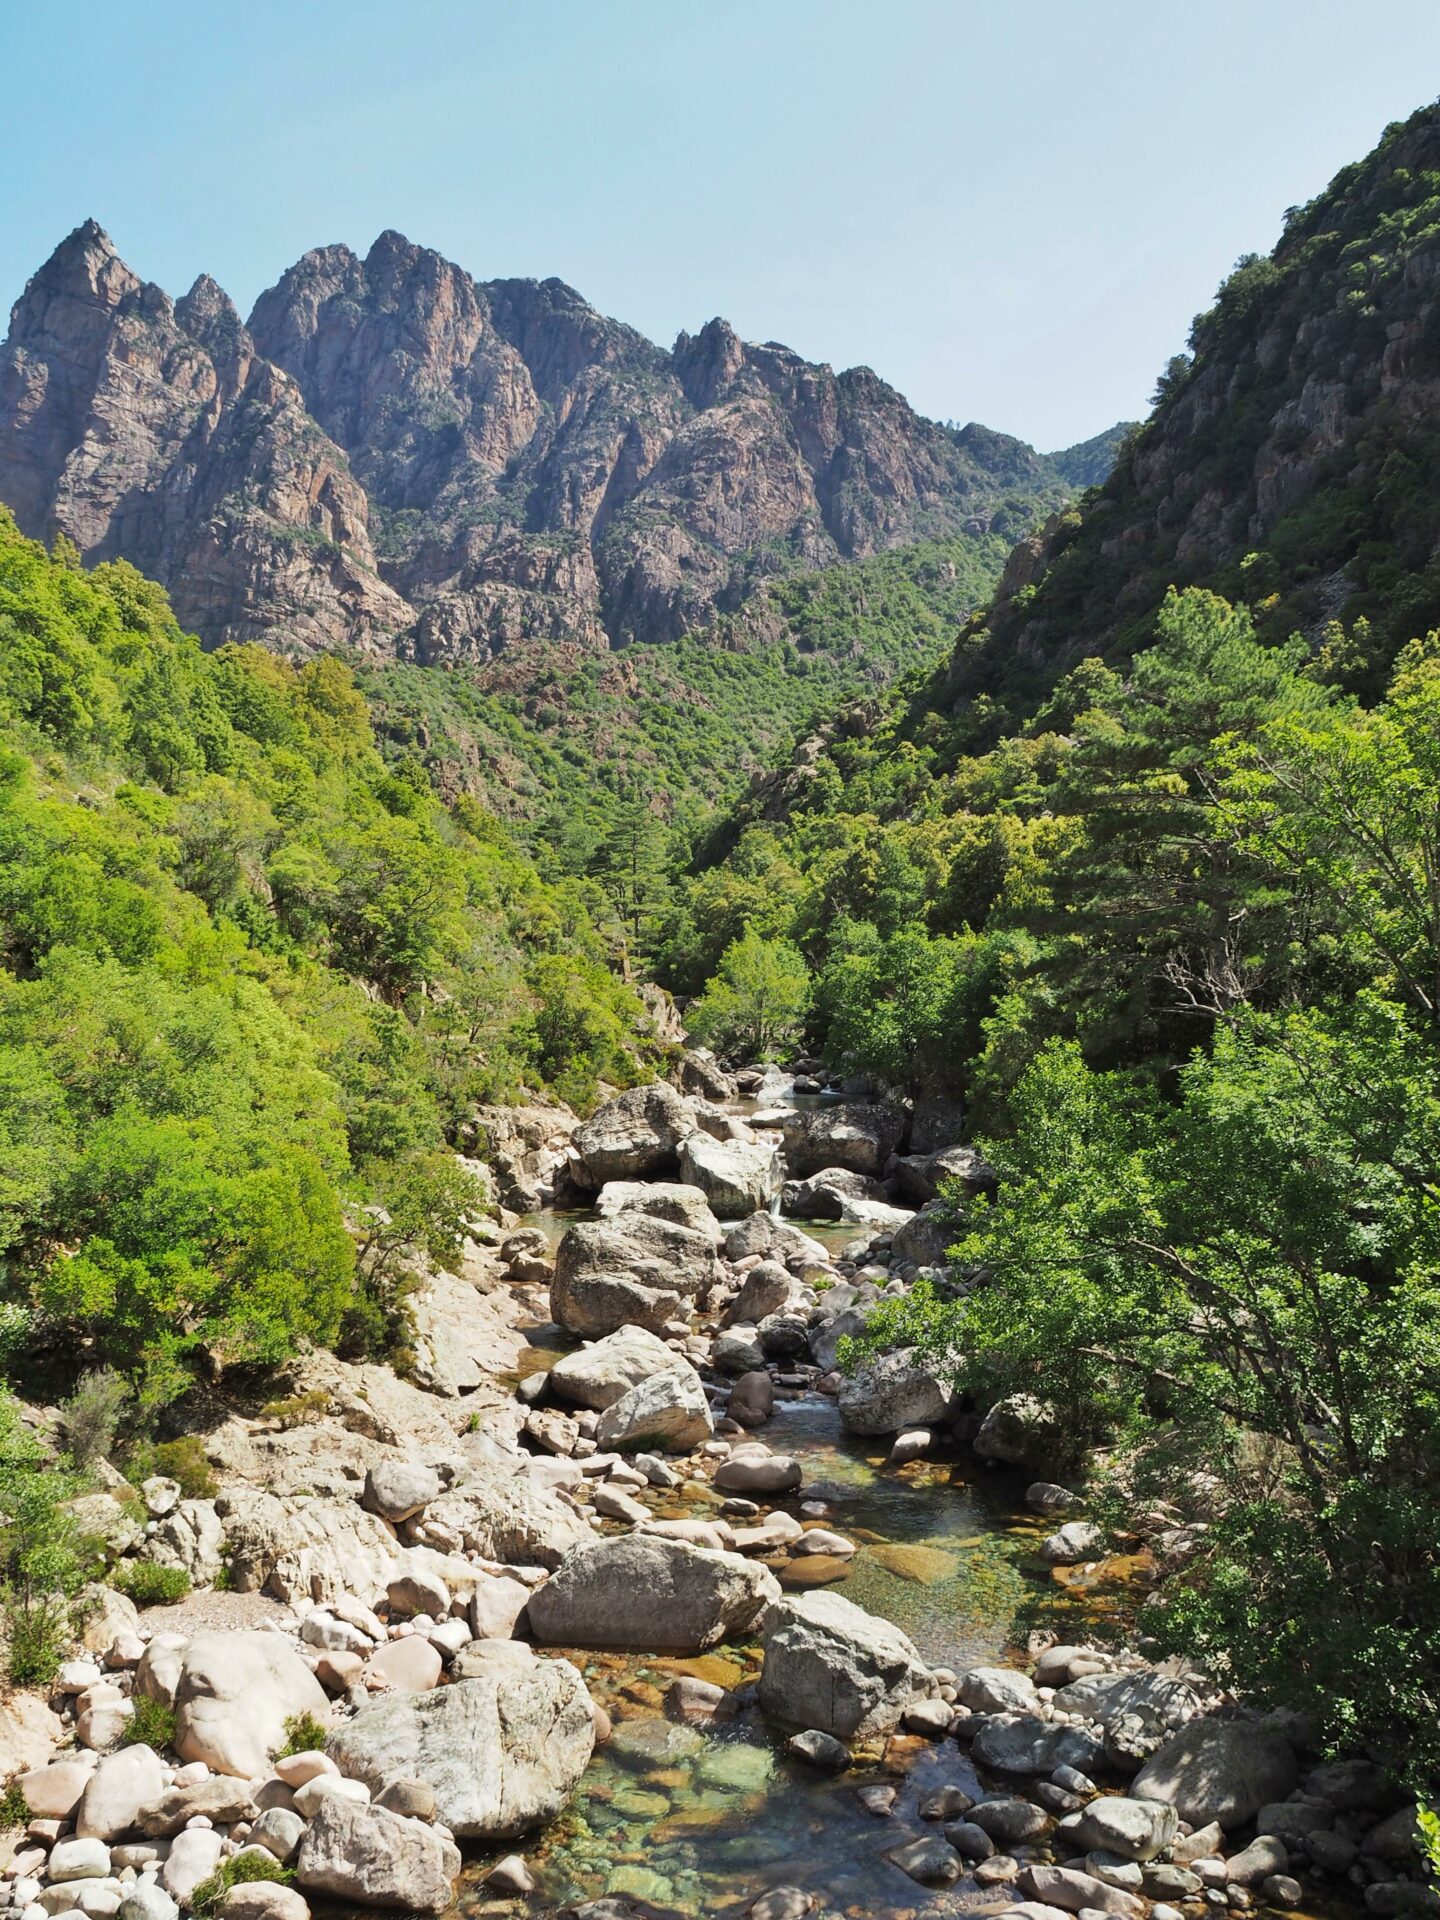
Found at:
<point>699,1821</point>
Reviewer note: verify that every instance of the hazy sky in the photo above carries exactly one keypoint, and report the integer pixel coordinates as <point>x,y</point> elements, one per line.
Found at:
<point>1009,210</point>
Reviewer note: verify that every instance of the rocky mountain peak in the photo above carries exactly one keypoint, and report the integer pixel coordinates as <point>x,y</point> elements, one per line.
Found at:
<point>210,317</point>
<point>709,364</point>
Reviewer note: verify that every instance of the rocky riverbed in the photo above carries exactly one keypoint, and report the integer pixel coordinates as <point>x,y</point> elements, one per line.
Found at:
<point>630,1597</point>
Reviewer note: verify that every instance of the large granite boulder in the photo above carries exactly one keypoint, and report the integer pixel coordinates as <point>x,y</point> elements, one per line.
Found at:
<point>859,1137</point>
<point>672,1200</point>
<point>375,1858</point>
<point>603,1372</point>
<point>235,1696</point>
<point>831,1665</point>
<point>737,1177</point>
<point>649,1593</point>
<point>1222,1770</point>
<point>894,1391</point>
<point>667,1413</point>
<point>501,1754</point>
<point>635,1136</point>
<point>630,1269</point>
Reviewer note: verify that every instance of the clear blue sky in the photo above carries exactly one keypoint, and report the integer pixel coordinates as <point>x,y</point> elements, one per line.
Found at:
<point>1010,209</point>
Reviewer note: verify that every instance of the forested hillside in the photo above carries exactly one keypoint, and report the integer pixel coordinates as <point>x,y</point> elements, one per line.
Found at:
<point>252,978</point>
<point>571,738</point>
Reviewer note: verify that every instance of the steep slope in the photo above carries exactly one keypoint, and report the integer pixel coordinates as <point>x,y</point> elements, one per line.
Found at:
<point>394,458</point>
<point>1292,459</point>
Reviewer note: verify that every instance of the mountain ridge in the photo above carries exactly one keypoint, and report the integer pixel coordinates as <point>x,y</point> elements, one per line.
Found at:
<point>393,458</point>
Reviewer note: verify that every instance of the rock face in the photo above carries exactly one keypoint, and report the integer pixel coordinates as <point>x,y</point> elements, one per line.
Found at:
<point>631,1270</point>
<point>500,1753</point>
<point>832,1666</point>
<point>648,1592</point>
<point>1303,410</point>
<point>503,1515</point>
<point>391,450</point>
<point>304,1550</point>
<point>236,1691</point>
<point>376,1858</point>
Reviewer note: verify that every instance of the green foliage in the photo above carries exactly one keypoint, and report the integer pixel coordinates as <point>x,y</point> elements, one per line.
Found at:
<point>251,983</point>
<point>91,1416</point>
<point>1427,1821</point>
<point>152,1724</point>
<point>14,1811</point>
<point>1201,1025</point>
<point>209,1896</point>
<point>304,1734</point>
<point>149,1584</point>
<point>182,1461</point>
<point>755,1005</point>
<point>590,747</point>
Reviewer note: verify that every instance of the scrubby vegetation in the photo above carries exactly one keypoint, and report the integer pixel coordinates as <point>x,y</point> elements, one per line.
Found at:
<point>149,1584</point>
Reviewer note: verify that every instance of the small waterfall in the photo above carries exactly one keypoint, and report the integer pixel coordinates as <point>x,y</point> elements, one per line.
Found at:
<point>775,1206</point>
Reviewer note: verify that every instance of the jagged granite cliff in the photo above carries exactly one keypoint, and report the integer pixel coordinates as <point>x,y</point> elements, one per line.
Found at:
<point>394,458</point>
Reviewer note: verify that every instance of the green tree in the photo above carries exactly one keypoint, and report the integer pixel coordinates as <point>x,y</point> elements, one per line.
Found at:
<point>757,1002</point>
